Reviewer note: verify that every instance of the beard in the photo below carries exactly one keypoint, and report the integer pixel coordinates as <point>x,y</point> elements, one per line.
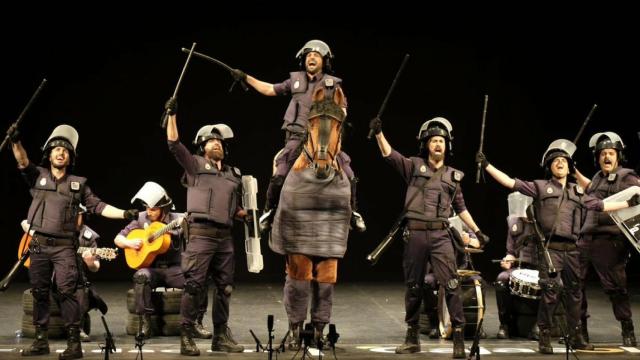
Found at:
<point>437,157</point>
<point>216,155</point>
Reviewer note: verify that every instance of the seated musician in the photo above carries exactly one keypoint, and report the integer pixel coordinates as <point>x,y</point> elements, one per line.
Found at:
<point>165,270</point>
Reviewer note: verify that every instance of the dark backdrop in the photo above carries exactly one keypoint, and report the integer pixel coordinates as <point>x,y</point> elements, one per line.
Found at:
<point>110,75</point>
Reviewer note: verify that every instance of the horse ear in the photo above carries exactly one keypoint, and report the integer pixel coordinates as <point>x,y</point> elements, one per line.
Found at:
<point>318,94</point>
<point>338,97</point>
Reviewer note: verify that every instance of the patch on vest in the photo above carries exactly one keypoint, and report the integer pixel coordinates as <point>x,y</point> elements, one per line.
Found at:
<point>457,176</point>
<point>207,166</point>
<point>236,171</point>
<point>514,228</point>
<point>579,190</point>
<point>75,186</point>
<point>612,177</point>
<point>328,82</point>
<point>296,84</point>
<point>549,190</point>
<point>423,169</point>
<point>87,234</point>
<point>43,181</point>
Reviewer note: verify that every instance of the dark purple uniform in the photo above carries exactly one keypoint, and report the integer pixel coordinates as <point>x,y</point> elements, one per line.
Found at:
<point>300,87</point>
<point>430,196</point>
<point>213,198</point>
<point>164,271</point>
<point>52,215</point>
<point>559,212</point>
<point>603,245</point>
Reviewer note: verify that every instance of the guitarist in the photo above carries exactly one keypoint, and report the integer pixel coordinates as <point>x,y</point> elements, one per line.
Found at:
<point>53,215</point>
<point>165,269</point>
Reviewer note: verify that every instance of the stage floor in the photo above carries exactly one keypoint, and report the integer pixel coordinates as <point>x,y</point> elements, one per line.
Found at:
<point>369,318</point>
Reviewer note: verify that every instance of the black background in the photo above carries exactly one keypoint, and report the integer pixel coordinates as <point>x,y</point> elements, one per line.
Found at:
<point>111,70</point>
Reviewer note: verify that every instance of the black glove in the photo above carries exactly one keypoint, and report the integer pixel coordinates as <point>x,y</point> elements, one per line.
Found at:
<point>482,159</point>
<point>13,133</point>
<point>484,239</point>
<point>238,75</point>
<point>131,214</point>
<point>634,201</point>
<point>171,106</point>
<point>375,125</point>
<point>248,219</point>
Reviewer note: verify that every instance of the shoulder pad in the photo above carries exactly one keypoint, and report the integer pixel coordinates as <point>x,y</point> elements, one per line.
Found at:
<point>236,171</point>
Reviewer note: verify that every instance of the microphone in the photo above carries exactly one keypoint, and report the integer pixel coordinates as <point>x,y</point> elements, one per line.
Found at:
<point>270,323</point>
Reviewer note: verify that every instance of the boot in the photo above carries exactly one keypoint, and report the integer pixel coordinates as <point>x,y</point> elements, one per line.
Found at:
<point>201,331</point>
<point>628,337</point>
<point>223,340</point>
<point>187,345</point>
<point>578,341</point>
<point>503,332</point>
<point>544,343</point>
<point>585,332</point>
<point>294,340</point>
<point>74,349</point>
<point>458,343</point>
<point>411,341</point>
<point>40,345</point>
<point>357,222</point>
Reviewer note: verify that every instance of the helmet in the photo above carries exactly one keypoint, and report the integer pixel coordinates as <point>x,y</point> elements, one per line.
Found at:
<point>320,47</point>
<point>559,148</point>
<point>437,126</point>
<point>217,131</point>
<point>606,140</point>
<point>65,136</point>
<point>152,195</point>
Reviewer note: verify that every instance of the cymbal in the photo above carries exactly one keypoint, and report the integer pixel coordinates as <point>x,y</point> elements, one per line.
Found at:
<point>473,250</point>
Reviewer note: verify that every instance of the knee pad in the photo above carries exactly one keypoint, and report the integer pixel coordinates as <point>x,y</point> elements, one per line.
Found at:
<point>40,294</point>
<point>226,290</point>
<point>327,271</point>
<point>452,285</point>
<point>414,289</point>
<point>192,288</point>
<point>141,278</point>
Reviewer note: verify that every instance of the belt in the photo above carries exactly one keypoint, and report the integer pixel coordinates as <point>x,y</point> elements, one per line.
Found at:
<point>427,225</point>
<point>562,246</point>
<point>48,240</point>
<point>210,231</point>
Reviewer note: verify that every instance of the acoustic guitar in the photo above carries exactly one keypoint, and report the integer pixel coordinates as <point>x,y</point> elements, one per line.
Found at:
<point>155,241</point>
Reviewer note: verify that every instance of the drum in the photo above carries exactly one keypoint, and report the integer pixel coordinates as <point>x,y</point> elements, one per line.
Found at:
<point>524,283</point>
<point>472,305</point>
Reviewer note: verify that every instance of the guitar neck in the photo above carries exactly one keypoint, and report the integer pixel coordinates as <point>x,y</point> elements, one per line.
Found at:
<point>170,226</point>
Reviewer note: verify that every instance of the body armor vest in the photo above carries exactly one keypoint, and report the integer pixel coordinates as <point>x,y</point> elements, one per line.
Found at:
<point>566,218</point>
<point>213,195</point>
<point>296,117</point>
<point>521,240</point>
<point>602,187</point>
<point>55,206</point>
<point>430,194</point>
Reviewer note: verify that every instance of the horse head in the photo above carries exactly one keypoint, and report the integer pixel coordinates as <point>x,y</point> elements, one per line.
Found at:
<point>324,133</point>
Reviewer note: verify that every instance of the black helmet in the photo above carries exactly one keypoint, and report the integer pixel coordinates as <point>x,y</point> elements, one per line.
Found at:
<point>65,136</point>
<point>559,148</point>
<point>437,126</point>
<point>217,131</point>
<point>320,47</point>
<point>606,140</point>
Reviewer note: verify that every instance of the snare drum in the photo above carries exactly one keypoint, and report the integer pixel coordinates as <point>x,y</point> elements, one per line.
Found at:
<point>524,283</point>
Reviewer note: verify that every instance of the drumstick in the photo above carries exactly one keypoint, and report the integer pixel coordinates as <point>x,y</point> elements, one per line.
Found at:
<point>500,260</point>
